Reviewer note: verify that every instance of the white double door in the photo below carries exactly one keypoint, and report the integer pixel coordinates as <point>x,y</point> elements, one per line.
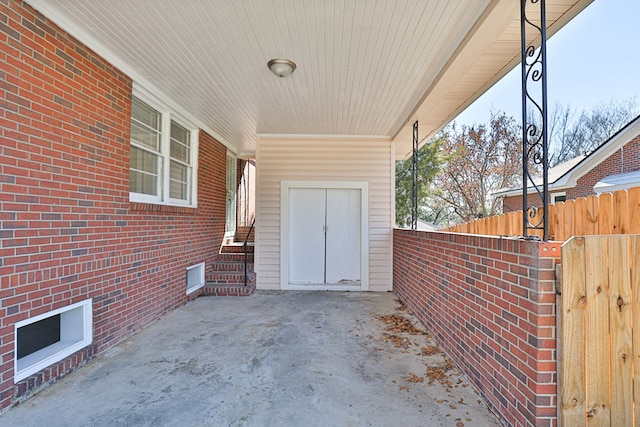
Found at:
<point>325,236</point>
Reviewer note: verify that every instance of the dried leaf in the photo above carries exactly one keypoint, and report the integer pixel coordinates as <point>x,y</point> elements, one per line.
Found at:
<point>397,323</point>
<point>429,350</point>
<point>415,378</point>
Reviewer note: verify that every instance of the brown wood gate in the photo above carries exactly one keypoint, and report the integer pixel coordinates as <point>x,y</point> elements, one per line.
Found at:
<point>599,332</point>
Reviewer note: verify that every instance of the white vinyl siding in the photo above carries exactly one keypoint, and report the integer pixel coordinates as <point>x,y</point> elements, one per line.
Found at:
<point>281,159</point>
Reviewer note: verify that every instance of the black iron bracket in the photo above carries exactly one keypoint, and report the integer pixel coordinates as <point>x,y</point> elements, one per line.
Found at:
<point>414,187</point>
<point>535,147</point>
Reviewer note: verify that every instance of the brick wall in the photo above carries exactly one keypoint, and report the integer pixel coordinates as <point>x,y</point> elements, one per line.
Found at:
<point>611,166</point>
<point>68,231</point>
<point>514,203</point>
<point>490,303</point>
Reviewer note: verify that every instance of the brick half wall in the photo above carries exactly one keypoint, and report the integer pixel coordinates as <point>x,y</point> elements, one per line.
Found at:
<point>490,304</point>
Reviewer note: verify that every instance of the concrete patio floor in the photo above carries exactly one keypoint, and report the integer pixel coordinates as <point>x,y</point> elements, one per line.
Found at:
<point>272,359</point>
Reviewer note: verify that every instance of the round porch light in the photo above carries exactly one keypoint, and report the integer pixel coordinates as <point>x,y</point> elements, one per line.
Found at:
<point>281,67</point>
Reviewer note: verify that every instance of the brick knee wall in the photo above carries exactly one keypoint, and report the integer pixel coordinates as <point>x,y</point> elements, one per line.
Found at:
<point>68,231</point>
<point>490,303</point>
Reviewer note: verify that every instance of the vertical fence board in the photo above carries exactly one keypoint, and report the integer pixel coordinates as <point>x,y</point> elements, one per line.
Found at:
<point>605,214</point>
<point>518,224</point>
<point>592,214</point>
<point>560,219</point>
<point>608,213</point>
<point>634,210</point>
<point>580,217</point>
<point>553,223</point>
<point>621,333</point>
<point>567,228</point>
<point>620,212</point>
<point>573,326</point>
<point>634,258</point>
<point>601,361</point>
<point>597,341</point>
<point>493,228</point>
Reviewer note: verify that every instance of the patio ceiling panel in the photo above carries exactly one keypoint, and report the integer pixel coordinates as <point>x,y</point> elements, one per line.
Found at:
<point>365,67</point>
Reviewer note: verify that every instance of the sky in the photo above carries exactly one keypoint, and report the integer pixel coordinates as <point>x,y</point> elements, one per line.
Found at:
<point>593,59</point>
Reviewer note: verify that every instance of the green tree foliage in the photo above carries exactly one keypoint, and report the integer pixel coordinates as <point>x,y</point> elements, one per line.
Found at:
<point>430,157</point>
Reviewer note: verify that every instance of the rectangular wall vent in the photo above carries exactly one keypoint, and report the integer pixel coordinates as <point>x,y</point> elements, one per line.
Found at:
<point>48,338</point>
<point>195,277</point>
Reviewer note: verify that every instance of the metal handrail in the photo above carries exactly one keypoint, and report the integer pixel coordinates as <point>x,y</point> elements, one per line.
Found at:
<point>245,244</point>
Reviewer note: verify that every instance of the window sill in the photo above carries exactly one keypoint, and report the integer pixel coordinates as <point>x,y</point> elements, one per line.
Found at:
<point>161,207</point>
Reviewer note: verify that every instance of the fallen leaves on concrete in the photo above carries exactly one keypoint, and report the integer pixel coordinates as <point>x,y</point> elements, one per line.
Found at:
<point>397,323</point>
<point>441,373</point>
<point>396,340</point>
<point>401,306</point>
<point>413,378</point>
<point>404,333</point>
<point>429,350</point>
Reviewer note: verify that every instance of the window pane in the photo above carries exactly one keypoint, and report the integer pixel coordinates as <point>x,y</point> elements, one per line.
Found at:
<point>143,183</point>
<point>178,182</point>
<point>178,190</point>
<point>143,172</point>
<point>143,161</point>
<point>179,152</point>
<point>145,114</point>
<point>179,133</point>
<point>180,143</point>
<point>145,125</point>
<point>145,136</point>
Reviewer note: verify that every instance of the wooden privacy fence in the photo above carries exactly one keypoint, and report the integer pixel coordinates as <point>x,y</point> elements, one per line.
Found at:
<point>608,213</point>
<point>599,332</point>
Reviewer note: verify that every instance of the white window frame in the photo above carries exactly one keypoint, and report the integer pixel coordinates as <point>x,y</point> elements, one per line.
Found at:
<point>557,194</point>
<point>167,116</point>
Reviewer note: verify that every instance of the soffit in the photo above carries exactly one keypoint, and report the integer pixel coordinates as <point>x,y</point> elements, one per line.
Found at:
<point>365,67</point>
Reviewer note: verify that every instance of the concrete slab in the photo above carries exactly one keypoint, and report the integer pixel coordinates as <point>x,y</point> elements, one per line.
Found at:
<point>272,359</point>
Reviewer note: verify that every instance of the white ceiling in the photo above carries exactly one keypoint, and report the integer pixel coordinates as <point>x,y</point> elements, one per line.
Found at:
<point>365,67</point>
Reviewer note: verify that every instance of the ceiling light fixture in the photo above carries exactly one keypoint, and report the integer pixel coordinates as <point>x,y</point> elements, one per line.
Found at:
<point>281,67</point>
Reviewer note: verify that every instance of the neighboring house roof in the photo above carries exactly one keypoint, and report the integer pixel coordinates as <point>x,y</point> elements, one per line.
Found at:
<point>425,226</point>
<point>567,174</point>
<point>617,182</point>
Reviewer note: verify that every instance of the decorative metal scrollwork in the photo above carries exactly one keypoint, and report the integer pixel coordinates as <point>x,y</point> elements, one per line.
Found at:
<point>535,158</point>
<point>414,187</point>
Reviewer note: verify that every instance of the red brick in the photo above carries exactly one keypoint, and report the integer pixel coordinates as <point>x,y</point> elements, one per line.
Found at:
<point>64,162</point>
<point>506,365</point>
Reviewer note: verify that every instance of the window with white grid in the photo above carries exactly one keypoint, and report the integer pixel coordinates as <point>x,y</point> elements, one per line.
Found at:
<point>162,157</point>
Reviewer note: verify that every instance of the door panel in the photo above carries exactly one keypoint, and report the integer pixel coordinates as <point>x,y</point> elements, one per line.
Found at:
<point>343,236</point>
<point>306,235</point>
